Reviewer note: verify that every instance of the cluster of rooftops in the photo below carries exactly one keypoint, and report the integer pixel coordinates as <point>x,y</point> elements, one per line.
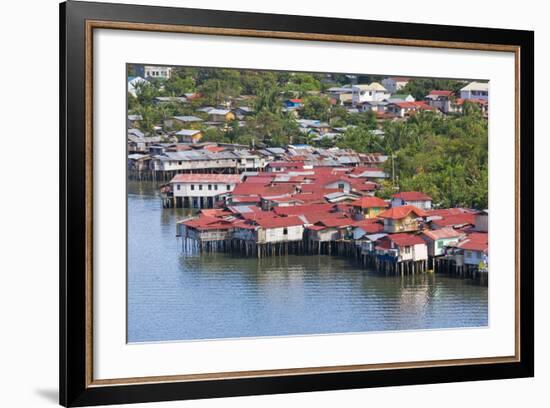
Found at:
<point>334,204</point>
<point>386,100</point>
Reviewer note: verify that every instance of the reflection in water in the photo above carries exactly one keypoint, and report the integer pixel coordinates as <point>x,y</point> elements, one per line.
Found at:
<point>174,295</point>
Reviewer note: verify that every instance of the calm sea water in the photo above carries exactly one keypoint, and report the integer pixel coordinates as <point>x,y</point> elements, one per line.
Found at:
<point>174,295</point>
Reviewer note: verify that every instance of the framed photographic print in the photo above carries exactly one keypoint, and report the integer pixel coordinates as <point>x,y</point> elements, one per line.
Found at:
<point>256,203</point>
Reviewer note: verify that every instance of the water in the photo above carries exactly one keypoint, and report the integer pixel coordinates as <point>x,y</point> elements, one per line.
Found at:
<point>178,296</point>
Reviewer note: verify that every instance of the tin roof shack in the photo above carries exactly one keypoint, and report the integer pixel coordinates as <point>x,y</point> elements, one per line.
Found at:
<point>368,207</point>
<point>189,135</point>
<point>195,160</point>
<point>202,190</point>
<point>365,227</point>
<point>134,121</point>
<point>462,221</point>
<point>280,229</point>
<point>368,242</point>
<point>329,228</point>
<point>476,250</point>
<point>406,218</point>
<point>482,221</point>
<point>437,240</point>
<point>220,115</point>
<point>181,121</point>
<point>416,198</point>
<point>403,247</point>
<point>205,229</point>
<point>138,162</point>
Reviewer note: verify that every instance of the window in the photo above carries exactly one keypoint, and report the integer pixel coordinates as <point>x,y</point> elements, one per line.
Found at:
<point>228,187</point>
<point>192,186</point>
<point>408,250</point>
<point>210,187</point>
<point>285,231</point>
<point>200,186</point>
<point>178,187</point>
<point>215,186</point>
<point>341,185</point>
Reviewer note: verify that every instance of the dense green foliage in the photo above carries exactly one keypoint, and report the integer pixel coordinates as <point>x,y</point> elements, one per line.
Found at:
<point>443,156</point>
<point>419,88</point>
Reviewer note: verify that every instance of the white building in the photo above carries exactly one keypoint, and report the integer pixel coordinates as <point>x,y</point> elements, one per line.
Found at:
<point>280,229</point>
<point>414,198</point>
<point>394,84</point>
<point>201,190</point>
<point>368,93</point>
<point>152,71</point>
<point>403,247</point>
<point>475,90</point>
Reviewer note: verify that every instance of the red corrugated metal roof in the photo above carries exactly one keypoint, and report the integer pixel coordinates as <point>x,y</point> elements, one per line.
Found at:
<point>445,212</point>
<point>370,202</point>
<point>258,180</point>
<point>412,196</point>
<point>436,92</point>
<point>404,239</point>
<point>279,222</point>
<point>455,220</point>
<point>206,178</point>
<point>334,222</point>
<point>398,213</point>
<point>442,233</point>
<point>303,209</point>
<point>294,165</point>
<point>255,189</point>
<point>476,241</point>
<point>369,227</point>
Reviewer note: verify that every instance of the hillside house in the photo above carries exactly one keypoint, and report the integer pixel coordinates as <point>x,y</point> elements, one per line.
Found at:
<point>405,218</point>
<point>415,198</point>
<point>220,115</point>
<point>165,100</point>
<point>153,71</point>
<point>293,103</point>
<point>401,98</point>
<point>394,84</point>
<point>189,135</point>
<point>341,95</point>
<point>442,101</point>
<point>242,112</point>
<point>181,121</point>
<point>482,104</point>
<point>403,109</point>
<point>202,190</point>
<point>437,240</point>
<point>403,247</point>
<point>368,93</point>
<point>133,121</point>
<point>368,207</point>
<point>475,90</point>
